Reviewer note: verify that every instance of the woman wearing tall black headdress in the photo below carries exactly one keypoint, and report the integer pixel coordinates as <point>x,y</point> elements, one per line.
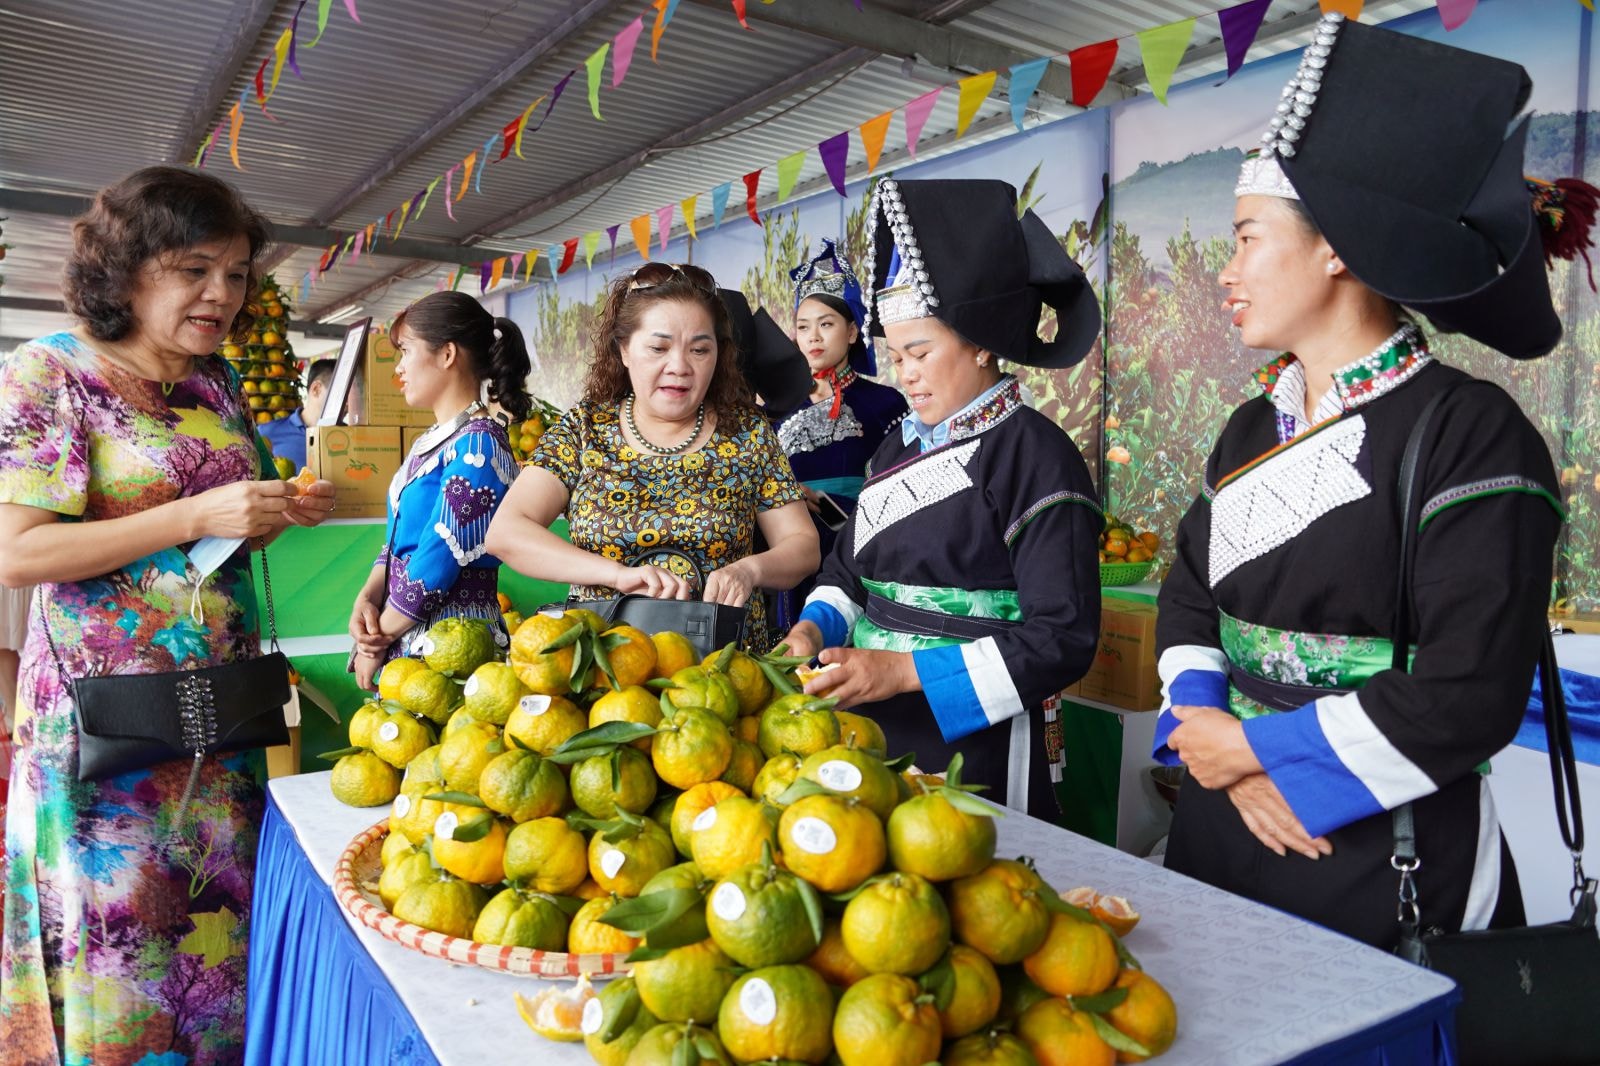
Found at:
<point>1388,182</point>
<point>832,438</point>
<point>966,582</point>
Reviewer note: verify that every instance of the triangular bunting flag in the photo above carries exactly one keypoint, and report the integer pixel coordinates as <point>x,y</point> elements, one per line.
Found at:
<point>483,276</point>
<point>611,231</point>
<point>719,202</point>
<point>516,264</point>
<point>455,278</point>
<point>569,252</point>
<point>835,152</point>
<point>449,191</point>
<point>477,185</point>
<point>1025,79</point>
<point>509,133</point>
<point>688,215</point>
<point>622,54</point>
<point>873,132</point>
<point>426,193</point>
<point>664,12</point>
<point>1350,9</point>
<point>1455,12</point>
<point>1162,48</point>
<point>738,11</point>
<point>664,225</point>
<point>752,182</point>
<point>466,176</point>
<point>591,242</point>
<point>917,112</point>
<point>497,271</point>
<point>789,170</point>
<point>596,65</point>
<point>640,228</point>
<point>974,91</point>
<point>522,124</point>
<point>1240,24</point>
<point>1091,66</point>
<point>527,264</point>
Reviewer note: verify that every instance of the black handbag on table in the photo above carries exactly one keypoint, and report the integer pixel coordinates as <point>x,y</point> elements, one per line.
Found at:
<point>1528,993</point>
<point>708,626</point>
<point>135,721</point>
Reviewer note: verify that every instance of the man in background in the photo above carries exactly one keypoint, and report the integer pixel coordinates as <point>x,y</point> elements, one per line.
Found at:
<point>288,435</point>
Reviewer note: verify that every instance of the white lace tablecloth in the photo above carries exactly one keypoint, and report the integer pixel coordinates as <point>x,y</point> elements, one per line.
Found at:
<point>1252,984</point>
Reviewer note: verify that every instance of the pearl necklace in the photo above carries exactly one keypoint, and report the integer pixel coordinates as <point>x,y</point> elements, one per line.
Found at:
<point>681,446</point>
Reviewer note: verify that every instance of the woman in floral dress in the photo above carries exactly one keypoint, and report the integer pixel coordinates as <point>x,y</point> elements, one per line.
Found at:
<point>664,455</point>
<point>122,442</point>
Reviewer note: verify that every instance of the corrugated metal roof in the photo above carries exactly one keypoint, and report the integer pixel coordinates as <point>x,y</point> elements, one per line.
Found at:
<point>121,79</point>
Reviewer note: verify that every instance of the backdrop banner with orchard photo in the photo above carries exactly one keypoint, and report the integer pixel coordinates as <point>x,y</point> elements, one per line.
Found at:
<point>1141,193</point>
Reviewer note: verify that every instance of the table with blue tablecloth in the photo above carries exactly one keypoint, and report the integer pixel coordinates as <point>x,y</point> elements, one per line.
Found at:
<point>1253,985</point>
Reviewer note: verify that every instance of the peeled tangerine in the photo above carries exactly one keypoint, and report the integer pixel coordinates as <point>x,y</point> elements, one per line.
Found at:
<point>556,1013</point>
<point>1115,911</point>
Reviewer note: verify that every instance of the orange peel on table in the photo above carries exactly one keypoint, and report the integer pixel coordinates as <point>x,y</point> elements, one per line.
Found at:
<point>556,1013</point>
<point>1115,911</point>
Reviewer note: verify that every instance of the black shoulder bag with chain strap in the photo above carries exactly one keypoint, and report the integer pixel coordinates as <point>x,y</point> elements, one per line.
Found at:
<point>134,721</point>
<point>1527,993</point>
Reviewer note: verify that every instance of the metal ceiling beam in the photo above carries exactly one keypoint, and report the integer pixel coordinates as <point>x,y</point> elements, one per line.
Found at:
<point>398,274</point>
<point>886,33</point>
<point>544,41</point>
<point>248,18</point>
<point>65,206</point>
<point>746,107</point>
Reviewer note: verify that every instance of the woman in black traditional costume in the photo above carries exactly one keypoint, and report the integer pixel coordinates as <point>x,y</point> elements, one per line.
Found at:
<point>963,595</point>
<point>1389,182</point>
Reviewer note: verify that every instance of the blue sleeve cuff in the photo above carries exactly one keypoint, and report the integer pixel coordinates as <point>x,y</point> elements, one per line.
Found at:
<point>1199,688</point>
<point>1316,784</point>
<point>947,686</point>
<point>827,619</point>
<point>1158,747</point>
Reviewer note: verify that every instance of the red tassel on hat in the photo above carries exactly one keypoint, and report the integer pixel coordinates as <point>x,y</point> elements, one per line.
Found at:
<point>1566,209</point>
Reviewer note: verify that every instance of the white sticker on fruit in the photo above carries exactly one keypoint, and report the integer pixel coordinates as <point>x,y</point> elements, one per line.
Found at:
<point>424,645</point>
<point>593,1016</point>
<point>402,805</point>
<point>814,835</point>
<point>471,687</point>
<point>535,705</point>
<point>554,613</point>
<point>839,775</point>
<point>758,1002</point>
<point>611,862</point>
<point>444,826</point>
<point>728,902</point>
<point>704,820</point>
<point>389,731</point>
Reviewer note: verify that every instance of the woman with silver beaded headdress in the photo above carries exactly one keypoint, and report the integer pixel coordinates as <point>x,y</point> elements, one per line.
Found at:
<point>963,594</point>
<point>1276,619</point>
<point>830,441</point>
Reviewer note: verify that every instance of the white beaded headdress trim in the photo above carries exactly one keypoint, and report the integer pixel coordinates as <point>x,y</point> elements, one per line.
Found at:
<point>1261,175</point>
<point>910,294</point>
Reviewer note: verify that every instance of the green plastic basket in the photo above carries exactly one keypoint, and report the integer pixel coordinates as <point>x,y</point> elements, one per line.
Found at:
<point>1125,573</point>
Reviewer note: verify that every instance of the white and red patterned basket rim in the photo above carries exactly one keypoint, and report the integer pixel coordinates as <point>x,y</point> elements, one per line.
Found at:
<point>362,854</point>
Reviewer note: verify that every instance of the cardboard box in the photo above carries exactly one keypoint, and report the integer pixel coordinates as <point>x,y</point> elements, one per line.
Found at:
<point>360,461</point>
<point>1124,669</point>
<point>383,404</point>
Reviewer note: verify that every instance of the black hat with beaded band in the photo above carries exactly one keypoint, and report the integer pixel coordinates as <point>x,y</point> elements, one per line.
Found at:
<point>1408,156</point>
<point>770,361</point>
<point>829,273</point>
<point>957,251</point>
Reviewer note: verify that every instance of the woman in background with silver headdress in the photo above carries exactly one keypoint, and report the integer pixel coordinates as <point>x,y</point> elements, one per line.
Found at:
<point>963,595</point>
<point>831,440</point>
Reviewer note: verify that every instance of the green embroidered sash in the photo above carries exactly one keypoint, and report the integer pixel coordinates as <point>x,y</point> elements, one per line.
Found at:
<point>999,604</point>
<point>1311,660</point>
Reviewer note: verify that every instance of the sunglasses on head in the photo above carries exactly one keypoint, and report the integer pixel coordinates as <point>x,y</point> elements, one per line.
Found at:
<point>652,274</point>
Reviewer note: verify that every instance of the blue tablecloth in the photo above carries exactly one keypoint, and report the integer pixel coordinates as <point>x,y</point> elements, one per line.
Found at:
<point>1582,693</point>
<point>315,994</point>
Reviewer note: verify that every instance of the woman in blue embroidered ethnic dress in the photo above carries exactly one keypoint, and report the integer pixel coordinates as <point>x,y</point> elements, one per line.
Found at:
<point>963,595</point>
<point>639,511</point>
<point>831,440</point>
<point>434,563</point>
<point>1277,618</point>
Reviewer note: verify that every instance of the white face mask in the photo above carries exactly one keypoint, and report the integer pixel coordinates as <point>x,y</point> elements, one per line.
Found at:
<point>207,554</point>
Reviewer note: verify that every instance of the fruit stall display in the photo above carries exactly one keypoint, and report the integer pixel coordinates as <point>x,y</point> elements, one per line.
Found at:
<point>265,360</point>
<point>780,888</point>
<point>525,434</point>
<point>1127,555</point>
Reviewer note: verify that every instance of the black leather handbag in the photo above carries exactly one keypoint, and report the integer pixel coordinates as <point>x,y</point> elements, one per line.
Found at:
<point>134,721</point>
<point>708,626</point>
<point>1527,993</point>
